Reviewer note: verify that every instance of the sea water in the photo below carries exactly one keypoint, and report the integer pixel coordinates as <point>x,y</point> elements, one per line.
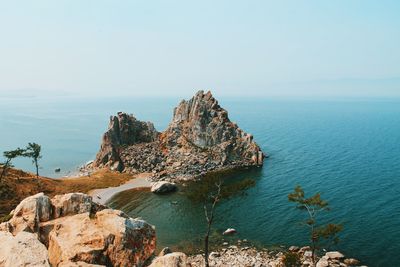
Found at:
<point>346,149</point>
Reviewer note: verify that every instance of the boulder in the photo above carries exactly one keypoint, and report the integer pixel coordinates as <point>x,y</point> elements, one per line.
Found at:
<point>29,213</point>
<point>229,231</point>
<point>352,262</point>
<point>76,232</point>
<point>334,255</point>
<point>322,263</point>
<point>78,264</point>
<point>22,250</point>
<point>163,187</point>
<point>109,237</point>
<point>165,251</point>
<point>175,259</point>
<point>73,203</point>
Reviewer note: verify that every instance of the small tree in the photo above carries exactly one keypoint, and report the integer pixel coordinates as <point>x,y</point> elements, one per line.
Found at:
<point>313,206</point>
<point>210,192</point>
<point>214,198</point>
<point>33,151</point>
<point>10,155</point>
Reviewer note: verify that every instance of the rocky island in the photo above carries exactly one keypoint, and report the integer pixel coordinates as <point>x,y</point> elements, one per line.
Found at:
<point>199,139</point>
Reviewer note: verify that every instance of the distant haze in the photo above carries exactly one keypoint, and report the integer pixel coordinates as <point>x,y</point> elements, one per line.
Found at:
<point>239,48</point>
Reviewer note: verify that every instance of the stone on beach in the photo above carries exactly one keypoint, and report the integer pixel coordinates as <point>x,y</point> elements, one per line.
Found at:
<point>229,231</point>
<point>163,187</point>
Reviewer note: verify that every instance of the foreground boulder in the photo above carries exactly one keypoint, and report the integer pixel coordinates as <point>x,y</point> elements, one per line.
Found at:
<point>174,259</point>
<point>72,230</point>
<point>163,187</point>
<point>24,249</point>
<point>199,139</point>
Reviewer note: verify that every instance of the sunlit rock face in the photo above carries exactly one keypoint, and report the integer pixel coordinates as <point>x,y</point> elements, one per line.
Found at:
<point>199,139</point>
<point>72,230</point>
<point>123,130</point>
<point>201,122</point>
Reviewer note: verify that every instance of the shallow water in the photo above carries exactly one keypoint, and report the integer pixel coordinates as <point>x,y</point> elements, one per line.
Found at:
<point>349,150</point>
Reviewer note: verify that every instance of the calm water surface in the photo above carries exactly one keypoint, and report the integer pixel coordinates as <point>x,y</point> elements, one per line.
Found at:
<point>348,150</point>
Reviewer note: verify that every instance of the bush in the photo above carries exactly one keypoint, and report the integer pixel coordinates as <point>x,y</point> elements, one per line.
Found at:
<point>291,259</point>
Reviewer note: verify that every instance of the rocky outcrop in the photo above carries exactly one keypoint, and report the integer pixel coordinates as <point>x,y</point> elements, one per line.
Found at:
<point>72,230</point>
<point>199,139</point>
<point>123,130</point>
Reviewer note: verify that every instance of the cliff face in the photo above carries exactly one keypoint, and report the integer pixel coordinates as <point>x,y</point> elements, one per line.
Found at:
<point>123,130</point>
<point>200,138</point>
<point>202,123</point>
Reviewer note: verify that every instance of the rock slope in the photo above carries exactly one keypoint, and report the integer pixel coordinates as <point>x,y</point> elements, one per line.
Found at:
<point>200,138</point>
<point>72,230</point>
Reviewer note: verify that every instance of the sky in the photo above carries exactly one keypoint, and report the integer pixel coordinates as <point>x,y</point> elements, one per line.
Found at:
<point>239,48</point>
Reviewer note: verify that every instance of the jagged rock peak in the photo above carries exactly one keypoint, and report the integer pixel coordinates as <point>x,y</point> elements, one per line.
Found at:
<point>199,139</point>
<point>203,121</point>
<point>123,130</point>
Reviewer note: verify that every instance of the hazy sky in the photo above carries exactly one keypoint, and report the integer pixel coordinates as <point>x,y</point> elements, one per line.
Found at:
<point>345,48</point>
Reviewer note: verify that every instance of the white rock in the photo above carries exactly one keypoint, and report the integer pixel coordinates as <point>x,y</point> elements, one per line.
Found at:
<point>229,231</point>
<point>30,212</point>
<point>175,259</point>
<point>334,255</point>
<point>71,204</point>
<point>24,249</point>
<point>322,263</point>
<point>163,187</point>
<point>308,254</point>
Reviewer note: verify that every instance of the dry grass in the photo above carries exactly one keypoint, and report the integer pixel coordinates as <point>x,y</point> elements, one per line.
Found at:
<point>18,185</point>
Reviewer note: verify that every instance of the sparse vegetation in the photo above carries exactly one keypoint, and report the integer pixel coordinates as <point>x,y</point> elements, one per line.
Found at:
<point>10,155</point>
<point>209,192</point>
<point>318,232</point>
<point>292,259</point>
<point>33,151</point>
<point>18,185</point>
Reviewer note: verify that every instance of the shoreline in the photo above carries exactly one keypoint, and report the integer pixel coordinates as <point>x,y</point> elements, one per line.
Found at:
<point>102,195</point>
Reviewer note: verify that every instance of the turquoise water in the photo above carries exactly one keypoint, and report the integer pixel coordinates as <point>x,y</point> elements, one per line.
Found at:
<point>349,150</point>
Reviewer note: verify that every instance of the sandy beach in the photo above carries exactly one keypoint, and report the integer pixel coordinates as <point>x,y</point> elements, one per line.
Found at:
<point>101,196</point>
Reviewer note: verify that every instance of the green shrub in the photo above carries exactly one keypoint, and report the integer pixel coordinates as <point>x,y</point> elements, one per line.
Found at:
<point>291,259</point>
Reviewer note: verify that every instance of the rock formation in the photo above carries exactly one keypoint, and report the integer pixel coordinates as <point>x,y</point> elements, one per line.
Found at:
<point>72,230</point>
<point>200,138</point>
<point>123,130</point>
